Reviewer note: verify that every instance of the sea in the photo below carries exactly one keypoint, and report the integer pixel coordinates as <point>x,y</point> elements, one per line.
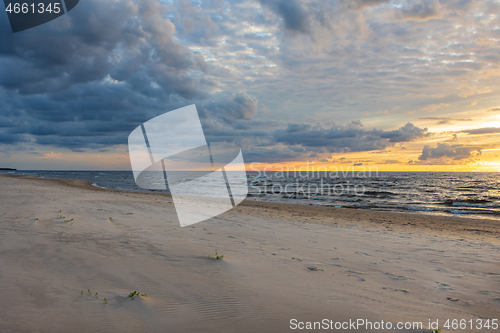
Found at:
<point>466,194</point>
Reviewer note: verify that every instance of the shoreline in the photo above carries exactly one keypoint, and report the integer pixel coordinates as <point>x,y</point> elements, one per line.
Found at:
<point>320,214</point>
<point>462,205</point>
<point>460,209</point>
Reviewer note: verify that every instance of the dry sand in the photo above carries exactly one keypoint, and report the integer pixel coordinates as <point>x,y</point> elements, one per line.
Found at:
<point>370,265</point>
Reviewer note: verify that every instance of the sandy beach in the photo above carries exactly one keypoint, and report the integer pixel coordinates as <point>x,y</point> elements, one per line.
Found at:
<point>281,262</point>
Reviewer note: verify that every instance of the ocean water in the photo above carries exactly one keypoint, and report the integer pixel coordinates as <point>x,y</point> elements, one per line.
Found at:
<point>443,193</point>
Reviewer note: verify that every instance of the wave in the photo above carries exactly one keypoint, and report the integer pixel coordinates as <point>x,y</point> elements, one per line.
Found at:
<point>459,204</point>
<point>320,198</point>
<point>420,209</point>
<point>489,212</point>
<point>95,185</point>
<point>376,193</point>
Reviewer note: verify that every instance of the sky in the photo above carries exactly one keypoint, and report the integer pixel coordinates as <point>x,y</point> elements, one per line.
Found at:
<point>392,85</point>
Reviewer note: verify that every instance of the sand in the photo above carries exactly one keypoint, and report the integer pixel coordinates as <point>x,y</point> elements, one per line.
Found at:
<point>281,262</point>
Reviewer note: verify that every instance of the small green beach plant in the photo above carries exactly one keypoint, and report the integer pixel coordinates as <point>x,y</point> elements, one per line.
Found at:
<point>217,256</point>
<point>438,330</point>
<point>135,293</point>
<point>105,300</point>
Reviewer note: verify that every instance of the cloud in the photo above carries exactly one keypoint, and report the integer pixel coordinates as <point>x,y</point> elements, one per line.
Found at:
<point>316,18</point>
<point>484,130</point>
<point>407,133</point>
<point>238,106</point>
<point>336,138</point>
<point>473,103</point>
<point>86,79</point>
<point>421,10</point>
<point>444,120</point>
<point>350,137</point>
<point>295,17</point>
<point>50,154</point>
<point>133,44</point>
<point>455,152</point>
<point>434,107</point>
<point>359,4</point>
<point>273,154</point>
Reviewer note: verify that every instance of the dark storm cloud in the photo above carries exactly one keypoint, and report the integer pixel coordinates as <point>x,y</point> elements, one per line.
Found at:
<point>94,74</point>
<point>238,106</point>
<point>273,154</point>
<point>81,143</point>
<point>263,143</point>
<point>455,152</point>
<point>295,17</point>
<point>127,40</point>
<point>89,114</point>
<point>350,137</point>
<point>409,132</point>
<point>309,17</point>
<point>12,138</point>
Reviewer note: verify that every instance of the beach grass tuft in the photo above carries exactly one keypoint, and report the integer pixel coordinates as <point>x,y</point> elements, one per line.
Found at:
<point>217,256</point>
<point>96,295</point>
<point>135,293</point>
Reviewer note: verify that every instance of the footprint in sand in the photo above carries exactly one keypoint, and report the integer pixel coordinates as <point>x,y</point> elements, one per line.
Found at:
<point>400,290</point>
<point>313,268</point>
<point>398,277</point>
<point>444,287</point>
<point>355,275</point>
